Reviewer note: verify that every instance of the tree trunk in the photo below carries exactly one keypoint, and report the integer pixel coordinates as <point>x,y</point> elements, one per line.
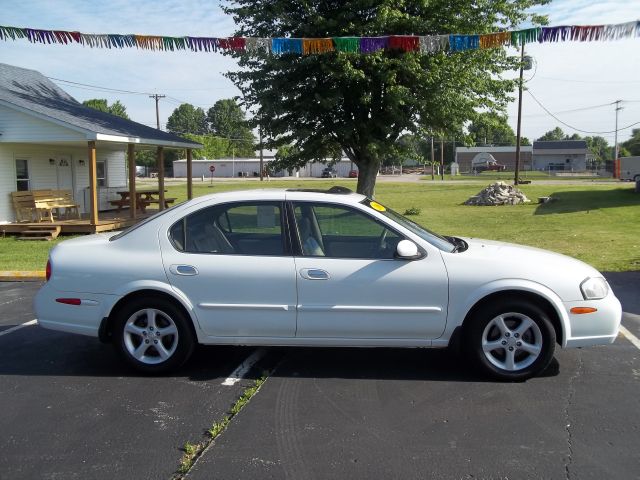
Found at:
<point>367,173</point>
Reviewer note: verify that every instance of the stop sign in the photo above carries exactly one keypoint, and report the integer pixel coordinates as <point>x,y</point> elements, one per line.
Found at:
<point>212,168</point>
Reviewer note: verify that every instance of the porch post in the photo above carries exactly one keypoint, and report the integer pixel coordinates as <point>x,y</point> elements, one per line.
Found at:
<point>93,184</point>
<point>131,157</point>
<point>189,175</point>
<point>160,159</point>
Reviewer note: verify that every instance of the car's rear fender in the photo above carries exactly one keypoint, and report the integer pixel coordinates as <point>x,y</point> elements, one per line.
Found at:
<point>129,290</point>
<point>460,311</point>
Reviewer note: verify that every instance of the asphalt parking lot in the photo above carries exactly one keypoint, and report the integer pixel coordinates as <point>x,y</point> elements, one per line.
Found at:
<point>70,409</point>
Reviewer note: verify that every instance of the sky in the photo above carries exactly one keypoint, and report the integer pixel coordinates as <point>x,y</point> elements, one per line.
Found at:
<point>566,76</point>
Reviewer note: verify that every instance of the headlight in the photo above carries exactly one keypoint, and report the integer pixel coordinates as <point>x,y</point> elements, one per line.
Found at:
<point>594,288</point>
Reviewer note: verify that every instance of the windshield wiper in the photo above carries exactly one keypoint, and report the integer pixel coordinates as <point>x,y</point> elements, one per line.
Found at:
<point>459,245</point>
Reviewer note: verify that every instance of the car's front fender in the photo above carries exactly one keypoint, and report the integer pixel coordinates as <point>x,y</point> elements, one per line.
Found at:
<point>461,302</point>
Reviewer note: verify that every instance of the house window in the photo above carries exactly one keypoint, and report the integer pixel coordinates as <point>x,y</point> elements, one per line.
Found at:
<point>22,175</point>
<point>101,173</point>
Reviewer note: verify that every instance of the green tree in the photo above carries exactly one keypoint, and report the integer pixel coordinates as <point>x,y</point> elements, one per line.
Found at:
<point>633,144</point>
<point>553,135</point>
<point>491,128</point>
<point>226,119</point>
<point>361,104</point>
<point>599,147</point>
<point>213,146</point>
<point>116,108</point>
<point>187,119</point>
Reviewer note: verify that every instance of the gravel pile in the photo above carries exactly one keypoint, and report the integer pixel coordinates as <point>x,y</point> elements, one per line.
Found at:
<point>498,193</point>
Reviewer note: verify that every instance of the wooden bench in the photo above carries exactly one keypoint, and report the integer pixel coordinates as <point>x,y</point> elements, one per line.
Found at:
<point>24,206</point>
<point>42,203</point>
<point>167,201</point>
<point>141,204</point>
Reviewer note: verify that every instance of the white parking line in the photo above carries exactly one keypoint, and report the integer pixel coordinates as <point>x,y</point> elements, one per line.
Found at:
<point>18,327</point>
<point>630,336</point>
<point>244,367</point>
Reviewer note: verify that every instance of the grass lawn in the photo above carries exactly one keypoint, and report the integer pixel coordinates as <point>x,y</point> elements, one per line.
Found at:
<point>599,224</point>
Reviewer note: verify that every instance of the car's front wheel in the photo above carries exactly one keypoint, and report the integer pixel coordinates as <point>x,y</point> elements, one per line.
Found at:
<point>510,340</point>
<point>153,335</point>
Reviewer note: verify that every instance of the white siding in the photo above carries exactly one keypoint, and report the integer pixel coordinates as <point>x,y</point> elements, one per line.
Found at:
<point>7,184</point>
<point>19,127</point>
<point>44,175</point>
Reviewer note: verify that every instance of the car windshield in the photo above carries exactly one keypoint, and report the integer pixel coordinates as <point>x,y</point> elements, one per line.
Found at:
<point>433,238</point>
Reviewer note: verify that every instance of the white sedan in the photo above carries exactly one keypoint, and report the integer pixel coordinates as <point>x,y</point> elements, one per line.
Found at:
<point>319,268</point>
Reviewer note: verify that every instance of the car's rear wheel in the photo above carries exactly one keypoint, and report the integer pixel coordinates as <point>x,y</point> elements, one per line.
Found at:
<point>153,335</point>
<point>510,340</point>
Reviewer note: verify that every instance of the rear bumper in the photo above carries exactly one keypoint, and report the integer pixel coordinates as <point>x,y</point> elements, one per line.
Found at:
<point>83,319</point>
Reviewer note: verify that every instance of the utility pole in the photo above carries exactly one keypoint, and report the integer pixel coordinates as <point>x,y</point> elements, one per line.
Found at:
<point>615,149</point>
<point>157,97</point>
<point>433,160</point>
<point>261,157</point>
<point>442,159</point>
<point>516,177</point>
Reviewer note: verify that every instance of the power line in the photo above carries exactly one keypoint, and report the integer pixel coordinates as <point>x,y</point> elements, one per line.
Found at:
<point>593,107</point>
<point>571,126</point>
<point>115,90</point>
<point>595,82</point>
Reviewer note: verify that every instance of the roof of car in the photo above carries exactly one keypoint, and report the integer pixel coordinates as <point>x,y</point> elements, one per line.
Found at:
<point>338,194</point>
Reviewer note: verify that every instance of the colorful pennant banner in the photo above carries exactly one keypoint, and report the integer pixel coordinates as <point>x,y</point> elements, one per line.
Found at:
<point>312,46</point>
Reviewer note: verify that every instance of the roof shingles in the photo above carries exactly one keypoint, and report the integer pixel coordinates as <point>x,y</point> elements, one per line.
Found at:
<point>30,90</point>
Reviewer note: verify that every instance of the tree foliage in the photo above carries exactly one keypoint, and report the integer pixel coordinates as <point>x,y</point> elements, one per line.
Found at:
<point>633,144</point>
<point>213,146</point>
<point>553,135</point>
<point>187,119</point>
<point>491,128</point>
<point>361,104</point>
<point>116,108</point>
<point>226,119</point>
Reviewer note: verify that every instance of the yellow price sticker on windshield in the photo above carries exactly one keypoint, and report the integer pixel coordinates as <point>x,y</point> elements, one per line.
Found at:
<point>377,206</point>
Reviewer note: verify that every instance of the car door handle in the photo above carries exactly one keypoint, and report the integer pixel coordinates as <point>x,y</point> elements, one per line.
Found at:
<point>186,270</point>
<point>314,274</point>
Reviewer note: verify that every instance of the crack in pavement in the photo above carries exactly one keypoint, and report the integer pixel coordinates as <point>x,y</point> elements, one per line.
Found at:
<point>567,415</point>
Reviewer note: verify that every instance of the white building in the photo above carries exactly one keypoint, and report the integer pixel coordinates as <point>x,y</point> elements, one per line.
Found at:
<point>561,156</point>
<point>48,139</point>
<point>250,167</point>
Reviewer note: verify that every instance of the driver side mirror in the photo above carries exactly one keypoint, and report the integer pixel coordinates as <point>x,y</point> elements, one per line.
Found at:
<point>407,250</point>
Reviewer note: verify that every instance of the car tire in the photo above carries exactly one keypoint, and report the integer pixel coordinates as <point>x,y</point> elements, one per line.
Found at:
<point>153,335</point>
<point>510,340</point>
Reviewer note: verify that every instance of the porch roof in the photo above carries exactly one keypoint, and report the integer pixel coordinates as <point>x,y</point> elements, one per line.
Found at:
<point>32,93</point>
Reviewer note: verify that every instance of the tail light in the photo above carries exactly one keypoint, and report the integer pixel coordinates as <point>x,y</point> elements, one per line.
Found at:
<point>48,270</point>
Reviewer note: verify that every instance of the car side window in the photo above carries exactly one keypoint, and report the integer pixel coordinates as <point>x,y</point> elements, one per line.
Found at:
<point>342,232</point>
<point>241,229</point>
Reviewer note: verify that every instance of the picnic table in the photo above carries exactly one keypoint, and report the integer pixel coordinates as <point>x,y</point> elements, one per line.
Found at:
<point>144,198</point>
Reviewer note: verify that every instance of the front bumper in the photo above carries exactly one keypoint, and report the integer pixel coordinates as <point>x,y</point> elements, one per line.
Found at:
<point>597,328</point>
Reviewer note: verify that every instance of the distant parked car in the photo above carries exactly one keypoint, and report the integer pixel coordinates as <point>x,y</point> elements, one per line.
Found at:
<point>353,173</point>
<point>320,268</point>
<point>488,167</point>
<point>329,173</point>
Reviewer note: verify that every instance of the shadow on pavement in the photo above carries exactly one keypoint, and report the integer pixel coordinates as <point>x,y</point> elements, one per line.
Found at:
<point>444,365</point>
<point>626,286</point>
<point>44,353</point>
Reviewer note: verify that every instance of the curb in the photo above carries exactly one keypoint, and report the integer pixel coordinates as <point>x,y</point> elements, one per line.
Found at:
<point>22,276</point>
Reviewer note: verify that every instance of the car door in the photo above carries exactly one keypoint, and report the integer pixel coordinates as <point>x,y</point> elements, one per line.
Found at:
<point>351,286</point>
<point>234,264</point>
